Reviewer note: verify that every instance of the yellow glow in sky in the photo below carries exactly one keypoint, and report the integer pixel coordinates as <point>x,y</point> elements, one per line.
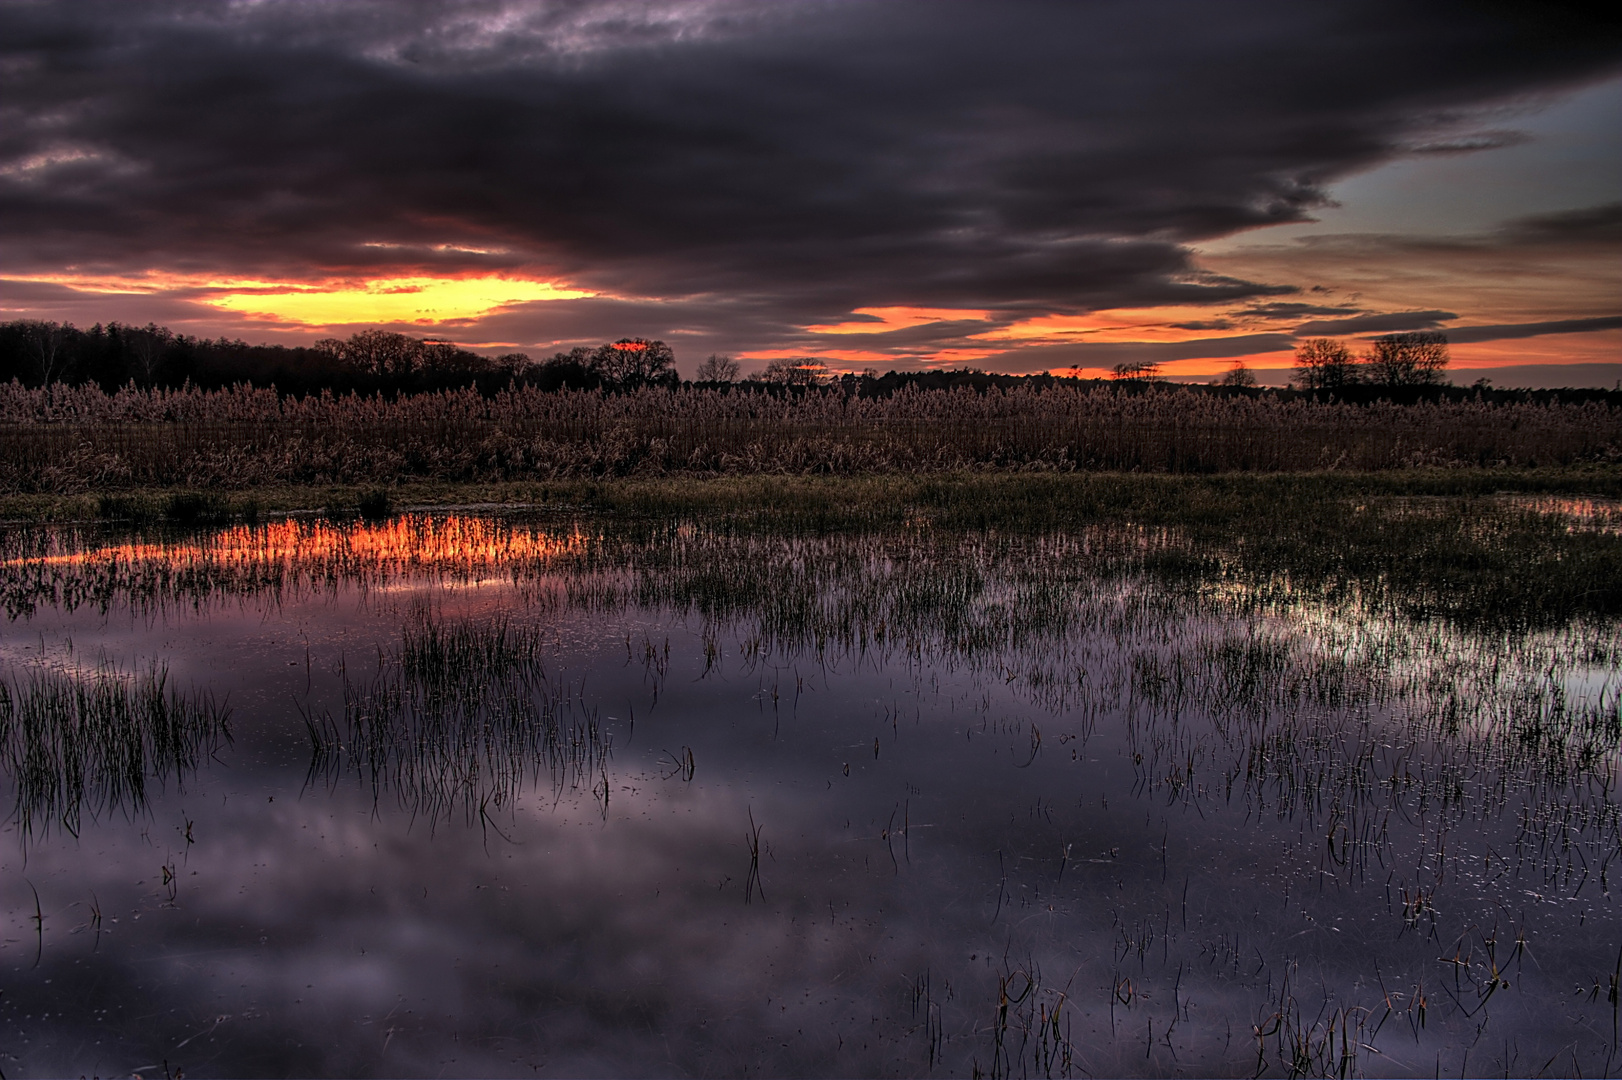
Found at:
<point>420,300</point>
<point>154,282</point>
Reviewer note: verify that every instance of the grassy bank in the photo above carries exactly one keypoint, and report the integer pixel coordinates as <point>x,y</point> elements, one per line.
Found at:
<point>1513,546</point>
<point>1019,501</point>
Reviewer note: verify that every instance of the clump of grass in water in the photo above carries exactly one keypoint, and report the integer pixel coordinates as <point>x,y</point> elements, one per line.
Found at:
<point>1326,1045</point>
<point>1038,1015</point>
<point>462,657</point>
<point>376,505</point>
<point>197,508</point>
<point>124,508</point>
<point>72,745</point>
<point>460,716</point>
<point>180,508</point>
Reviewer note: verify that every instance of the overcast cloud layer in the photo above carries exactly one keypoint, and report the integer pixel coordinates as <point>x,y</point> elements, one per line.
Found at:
<point>734,171</point>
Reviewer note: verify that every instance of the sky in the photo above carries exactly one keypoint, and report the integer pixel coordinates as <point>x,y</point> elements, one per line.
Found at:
<point>1015,187</point>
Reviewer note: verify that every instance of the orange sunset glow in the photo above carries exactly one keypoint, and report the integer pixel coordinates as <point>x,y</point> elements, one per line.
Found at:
<point>1117,325</point>
<point>883,320</point>
<point>420,301</point>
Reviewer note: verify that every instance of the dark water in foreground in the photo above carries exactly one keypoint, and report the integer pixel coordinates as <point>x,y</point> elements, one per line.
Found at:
<point>497,798</point>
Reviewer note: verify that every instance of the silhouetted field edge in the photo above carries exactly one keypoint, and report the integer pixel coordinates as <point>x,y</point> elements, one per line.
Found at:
<point>956,499</point>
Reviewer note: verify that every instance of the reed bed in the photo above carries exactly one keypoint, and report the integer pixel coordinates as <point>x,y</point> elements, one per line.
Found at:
<point>63,439</point>
<point>74,744</point>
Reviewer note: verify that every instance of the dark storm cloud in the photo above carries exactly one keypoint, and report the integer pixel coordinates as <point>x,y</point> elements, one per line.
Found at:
<point>1590,225</point>
<point>1292,309</point>
<point>1579,233</point>
<point>1376,324</point>
<point>707,323</point>
<point>702,325</point>
<point>1536,329</point>
<point>1469,144</point>
<point>801,159</point>
<point>38,299</point>
<point>1540,376</point>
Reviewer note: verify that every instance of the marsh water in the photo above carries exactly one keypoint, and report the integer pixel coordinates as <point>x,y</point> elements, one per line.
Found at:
<point>465,793</point>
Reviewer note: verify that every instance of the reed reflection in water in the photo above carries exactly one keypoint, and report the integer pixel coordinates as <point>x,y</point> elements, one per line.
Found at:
<point>70,567</point>
<point>460,717</point>
<point>93,742</point>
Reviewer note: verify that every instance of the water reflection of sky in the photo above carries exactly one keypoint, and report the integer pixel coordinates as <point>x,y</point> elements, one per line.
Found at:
<point>933,834</point>
<point>1582,513</point>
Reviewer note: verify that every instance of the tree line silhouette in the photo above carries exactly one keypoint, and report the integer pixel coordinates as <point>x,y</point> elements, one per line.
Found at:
<point>1399,367</point>
<point>114,355</point>
<point>1393,362</point>
<point>1417,358</point>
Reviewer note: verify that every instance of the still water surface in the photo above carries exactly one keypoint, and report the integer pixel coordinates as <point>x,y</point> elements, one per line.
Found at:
<point>462,794</point>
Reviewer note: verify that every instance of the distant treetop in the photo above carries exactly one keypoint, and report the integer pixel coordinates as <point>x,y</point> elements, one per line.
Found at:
<point>1395,360</point>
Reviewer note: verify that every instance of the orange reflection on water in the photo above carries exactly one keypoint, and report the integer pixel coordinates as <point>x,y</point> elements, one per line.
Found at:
<point>1584,513</point>
<point>454,543</point>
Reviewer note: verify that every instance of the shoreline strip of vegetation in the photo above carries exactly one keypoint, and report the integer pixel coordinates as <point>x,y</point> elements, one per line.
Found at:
<point>1497,548</point>
<point>965,498</point>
